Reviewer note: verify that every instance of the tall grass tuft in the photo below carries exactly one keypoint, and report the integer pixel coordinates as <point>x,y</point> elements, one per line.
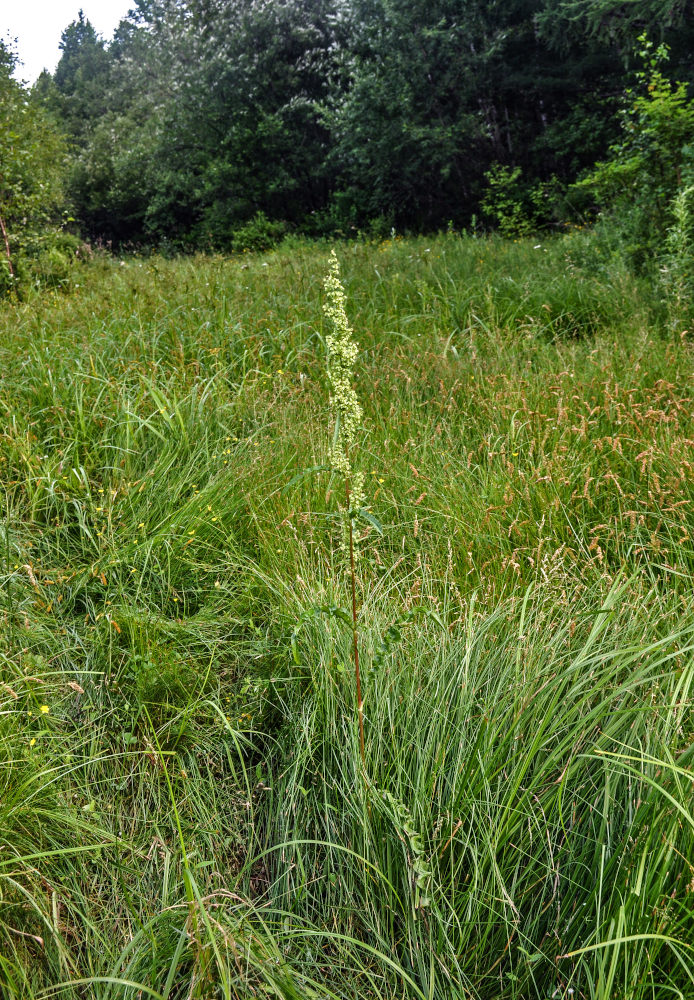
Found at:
<point>535,835</point>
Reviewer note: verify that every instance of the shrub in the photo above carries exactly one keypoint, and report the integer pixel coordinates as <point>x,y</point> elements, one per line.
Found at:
<point>259,233</point>
<point>635,188</point>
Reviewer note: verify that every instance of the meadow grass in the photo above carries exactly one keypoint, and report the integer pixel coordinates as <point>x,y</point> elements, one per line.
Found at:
<point>183,809</point>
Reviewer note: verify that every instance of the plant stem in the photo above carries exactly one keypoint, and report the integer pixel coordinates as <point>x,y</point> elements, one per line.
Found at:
<point>355,635</point>
<point>7,247</point>
<point>8,570</point>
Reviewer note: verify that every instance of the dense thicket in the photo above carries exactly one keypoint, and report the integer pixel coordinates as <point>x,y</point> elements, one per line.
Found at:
<point>217,123</point>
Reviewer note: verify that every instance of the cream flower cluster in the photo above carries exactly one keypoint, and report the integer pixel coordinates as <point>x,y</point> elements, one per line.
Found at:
<point>344,404</point>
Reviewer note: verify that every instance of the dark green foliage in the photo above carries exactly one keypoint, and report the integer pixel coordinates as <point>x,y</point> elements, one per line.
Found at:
<point>210,125</point>
<point>264,89</point>
<point>409,139</point>
<point>617,22</point>
<point>33,161</point>
<point>81,78</point>
<point>323,115</point>
<point>213,114</point>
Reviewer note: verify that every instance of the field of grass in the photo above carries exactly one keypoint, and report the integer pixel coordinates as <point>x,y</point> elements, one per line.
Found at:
<point>183,808</point>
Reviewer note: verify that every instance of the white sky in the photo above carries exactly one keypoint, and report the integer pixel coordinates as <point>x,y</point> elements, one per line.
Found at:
<point>38,24</point>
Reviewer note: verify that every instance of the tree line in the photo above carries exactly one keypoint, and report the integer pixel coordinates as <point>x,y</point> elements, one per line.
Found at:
<point>224,123</point>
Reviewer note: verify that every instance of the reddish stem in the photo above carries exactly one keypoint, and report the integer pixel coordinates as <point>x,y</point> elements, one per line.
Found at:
<point>7,246</point>
<point>355,636</point>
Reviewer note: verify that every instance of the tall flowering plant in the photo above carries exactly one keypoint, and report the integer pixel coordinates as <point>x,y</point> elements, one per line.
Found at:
<point>346,413</point>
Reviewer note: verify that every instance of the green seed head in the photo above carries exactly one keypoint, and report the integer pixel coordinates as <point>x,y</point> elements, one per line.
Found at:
<point>344,405</point>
